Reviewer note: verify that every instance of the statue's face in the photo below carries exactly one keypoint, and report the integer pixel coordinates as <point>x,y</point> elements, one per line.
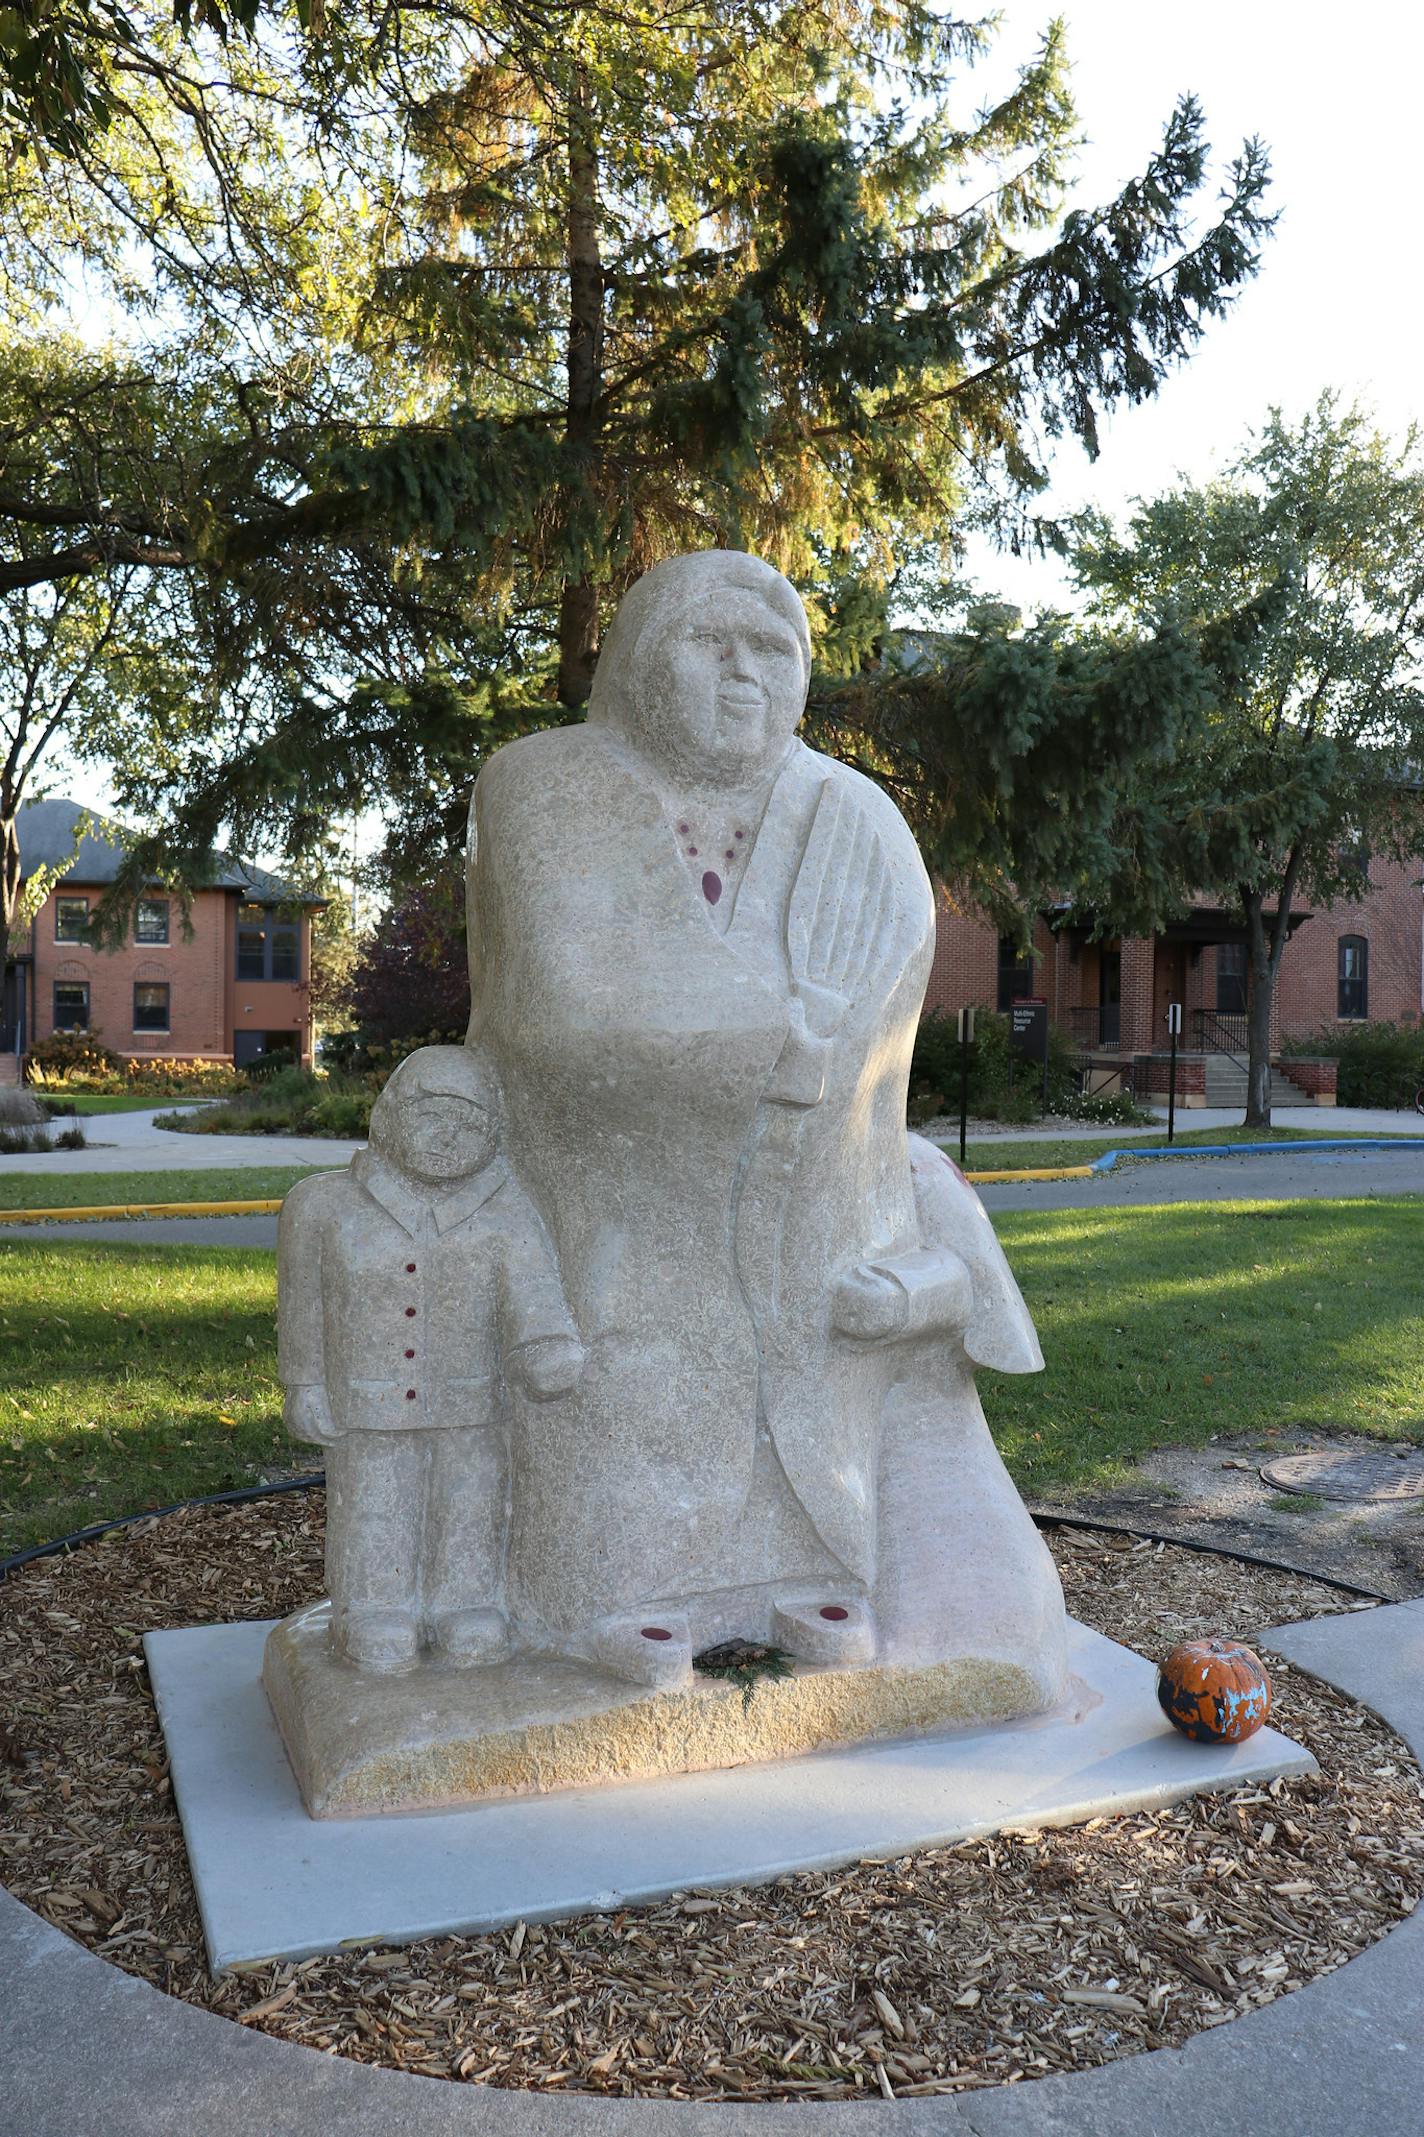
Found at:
<point>723,691</point>
<point>439,1137</point>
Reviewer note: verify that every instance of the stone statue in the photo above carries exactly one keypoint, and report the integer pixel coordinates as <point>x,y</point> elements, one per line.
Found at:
<point>698,956</point>
<point>413,1289</point>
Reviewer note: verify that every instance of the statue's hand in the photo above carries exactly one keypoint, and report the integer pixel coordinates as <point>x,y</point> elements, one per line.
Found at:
<point>308,1415</point>
<point>550,1367</point>
<point>869,1305</point>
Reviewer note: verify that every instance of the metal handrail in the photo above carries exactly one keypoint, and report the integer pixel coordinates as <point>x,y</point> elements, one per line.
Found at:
<point>1097,1024</point>
<point>1218,1033</point>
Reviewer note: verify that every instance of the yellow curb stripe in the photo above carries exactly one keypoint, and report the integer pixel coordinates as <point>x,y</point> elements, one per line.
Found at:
<point>140,1209</point>
<point>1052,1172</point>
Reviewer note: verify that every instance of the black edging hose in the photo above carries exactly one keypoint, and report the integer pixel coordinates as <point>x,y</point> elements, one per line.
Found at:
<point>60,1544</point>
<point>1044,1516</point>
<point>1047,1519</point>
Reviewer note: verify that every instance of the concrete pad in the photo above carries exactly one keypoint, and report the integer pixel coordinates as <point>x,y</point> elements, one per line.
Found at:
<point>272,1882</point>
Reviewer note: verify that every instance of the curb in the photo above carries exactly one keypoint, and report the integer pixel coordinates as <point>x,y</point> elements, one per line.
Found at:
<point>86,1214</point>
<point>1307,1143</point>
<point>1045,1172</point>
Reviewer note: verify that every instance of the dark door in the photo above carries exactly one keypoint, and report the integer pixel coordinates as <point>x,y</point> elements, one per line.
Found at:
<point>1169,973</point>
<point>247,1046</point>
<point>1109,997</point>
<point>11,997</point>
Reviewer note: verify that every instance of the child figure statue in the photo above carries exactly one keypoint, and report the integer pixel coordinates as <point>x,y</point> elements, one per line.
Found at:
<point>413,1289</point>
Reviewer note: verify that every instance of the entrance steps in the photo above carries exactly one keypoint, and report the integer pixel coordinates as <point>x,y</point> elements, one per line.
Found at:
<point>1226,1086</point>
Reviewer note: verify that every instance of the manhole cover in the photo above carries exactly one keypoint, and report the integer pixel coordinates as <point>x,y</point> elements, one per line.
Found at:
<point>1351,1473</point>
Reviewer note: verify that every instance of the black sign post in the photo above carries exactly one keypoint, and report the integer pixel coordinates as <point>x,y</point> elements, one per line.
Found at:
<point>1028,1035</point>
<point>1174,1027</point>
<point>966,1040</point>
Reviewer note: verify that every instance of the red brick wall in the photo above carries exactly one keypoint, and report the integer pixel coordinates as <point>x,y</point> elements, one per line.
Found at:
<point>1391,919</point>
<point>198,969</point>
<point>1318,1077</point>
<point>966,960</point>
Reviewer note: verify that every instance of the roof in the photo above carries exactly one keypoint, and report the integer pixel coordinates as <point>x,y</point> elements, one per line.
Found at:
<point>46,831</point>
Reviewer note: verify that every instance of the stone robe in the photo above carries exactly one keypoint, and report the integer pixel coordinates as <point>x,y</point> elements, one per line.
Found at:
<point>712,1126</point>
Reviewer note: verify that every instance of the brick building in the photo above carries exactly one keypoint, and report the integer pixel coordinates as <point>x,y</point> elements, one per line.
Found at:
<point>1362,960</point>
<point>230,984</point>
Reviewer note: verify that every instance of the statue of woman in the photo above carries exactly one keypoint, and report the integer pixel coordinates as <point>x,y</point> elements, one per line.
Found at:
<point>699,951</point>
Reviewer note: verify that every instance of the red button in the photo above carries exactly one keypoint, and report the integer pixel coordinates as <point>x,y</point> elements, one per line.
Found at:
<point>410,1313</point>
<point>410,1394</point>
<point>410,1268</point>
<point>410,1354</point>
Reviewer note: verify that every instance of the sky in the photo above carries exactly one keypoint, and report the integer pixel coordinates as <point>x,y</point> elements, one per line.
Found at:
<point>1337,300</point>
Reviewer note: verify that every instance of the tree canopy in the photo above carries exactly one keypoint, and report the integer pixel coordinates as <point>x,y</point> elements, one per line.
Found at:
<point>1301,573</point>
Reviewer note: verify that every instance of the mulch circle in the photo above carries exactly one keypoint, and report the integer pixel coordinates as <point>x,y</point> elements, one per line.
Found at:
<point>941,1972</point>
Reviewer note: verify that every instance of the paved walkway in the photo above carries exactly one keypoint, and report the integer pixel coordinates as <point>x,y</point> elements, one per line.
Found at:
<point>1306,1176</point>
<point>86,2051</point>
<point>1322,1120</point>
<point>129,1142</point>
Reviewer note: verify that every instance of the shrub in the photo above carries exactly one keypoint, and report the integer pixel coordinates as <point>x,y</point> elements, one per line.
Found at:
<point>1380,1064</point>
<point>76,1061</point>
<point>22,1142</point>
<point>1110,1108</point>
<point>74,1057</point>
<point>1002,1086</point>
<point>267,1067</point>
<point>294,1101</point>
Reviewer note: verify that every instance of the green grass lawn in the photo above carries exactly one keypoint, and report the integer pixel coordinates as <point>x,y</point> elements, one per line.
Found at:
<point>1165,1324</point>
<point>132,1375</point>
<point>112,1101</point>
<point>216,1183</point>
<point>991,1154</point>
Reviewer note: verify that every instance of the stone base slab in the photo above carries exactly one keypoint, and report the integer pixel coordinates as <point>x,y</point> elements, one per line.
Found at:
<point>273,1882</point>
<point>441,1737</point>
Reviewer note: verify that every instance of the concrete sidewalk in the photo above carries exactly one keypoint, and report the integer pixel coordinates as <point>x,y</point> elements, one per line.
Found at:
<point>89,2052</point>
<point>129,1142</point>
<point>1309,1176</point>
<point>1319,1120</point>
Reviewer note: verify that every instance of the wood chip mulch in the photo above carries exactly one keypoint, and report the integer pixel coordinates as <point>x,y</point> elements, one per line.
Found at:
<point>959,1968</point>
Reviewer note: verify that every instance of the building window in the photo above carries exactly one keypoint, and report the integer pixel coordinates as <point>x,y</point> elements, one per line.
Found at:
<point>268,943</point>
<point>1231,979</point>
<point>1353,855</point>
<point>151,920</point>
<point>150,1005</point>
<point>71,919</point>
<point>71,1005</point>
<point>1353,983</point>
<point>1015,971</point>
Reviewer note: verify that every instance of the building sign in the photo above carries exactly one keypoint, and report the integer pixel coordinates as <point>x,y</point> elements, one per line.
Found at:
<point>1028,1028</point>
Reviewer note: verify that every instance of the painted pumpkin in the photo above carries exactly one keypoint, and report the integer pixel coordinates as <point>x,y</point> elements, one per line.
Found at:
<point>1215,1691</point>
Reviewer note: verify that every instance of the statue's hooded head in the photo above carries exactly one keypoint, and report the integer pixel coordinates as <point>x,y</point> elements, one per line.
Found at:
<point>705,668</point>
<point>436,1118</point>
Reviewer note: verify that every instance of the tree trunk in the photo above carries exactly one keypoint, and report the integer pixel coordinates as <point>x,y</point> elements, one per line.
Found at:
<point>1258,1016</point>
<point>578,606</point>
<point>9,877</point>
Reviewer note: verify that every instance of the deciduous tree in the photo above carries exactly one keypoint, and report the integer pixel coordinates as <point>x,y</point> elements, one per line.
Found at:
<point>1301,571</point>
